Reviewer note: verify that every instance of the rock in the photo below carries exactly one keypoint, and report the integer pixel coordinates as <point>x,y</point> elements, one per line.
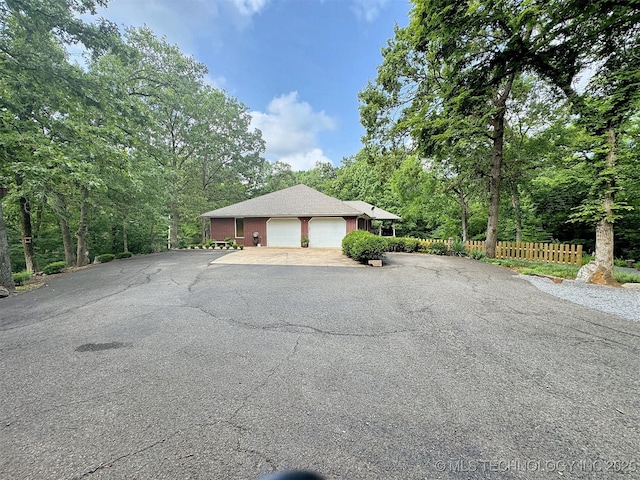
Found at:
<point>4,292</point>
<point>586,272</point>
<point>375,263</point>
<point>590,273</point>
<point>631,286</point>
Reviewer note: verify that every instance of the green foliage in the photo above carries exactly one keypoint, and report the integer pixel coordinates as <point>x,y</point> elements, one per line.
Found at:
<point>363,246</point>
<point>476,255</point>
<point>55,267</point>
<point>458,248</point>
<point>21,278</point>
<point>123,255</point>
<point>105,257</point>
<point>438,248</point>
<point>626,277</point>
<point>402,244</point>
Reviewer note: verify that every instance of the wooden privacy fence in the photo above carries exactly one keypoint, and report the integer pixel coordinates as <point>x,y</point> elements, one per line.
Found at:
<point>535,252</point>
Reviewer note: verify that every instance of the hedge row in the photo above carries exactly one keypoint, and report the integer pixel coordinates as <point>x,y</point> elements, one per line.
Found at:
<point>363,246</point>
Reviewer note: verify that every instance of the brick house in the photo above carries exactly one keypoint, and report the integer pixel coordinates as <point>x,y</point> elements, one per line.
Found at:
<point>282,218</point>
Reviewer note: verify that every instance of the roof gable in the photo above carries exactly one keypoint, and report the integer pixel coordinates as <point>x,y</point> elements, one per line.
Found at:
<point>371,210</point>
<point>297,201</point>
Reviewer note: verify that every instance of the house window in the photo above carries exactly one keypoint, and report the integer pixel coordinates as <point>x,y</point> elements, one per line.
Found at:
<point>239,227</point>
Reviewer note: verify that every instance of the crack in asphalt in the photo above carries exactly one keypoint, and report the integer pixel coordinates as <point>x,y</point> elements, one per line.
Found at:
<point>145,280</point>
<point>266,379</point>
<point>283,327</point>
<point>122,457</point>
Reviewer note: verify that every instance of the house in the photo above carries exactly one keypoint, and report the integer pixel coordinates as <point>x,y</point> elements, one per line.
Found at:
<point>282,218</point>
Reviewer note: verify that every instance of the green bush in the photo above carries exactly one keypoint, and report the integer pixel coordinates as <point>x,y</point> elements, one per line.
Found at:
<point>20,278</point>
<point>587,258</point>
<point>124,255</point>
<point>363,246</point>
<point>458,248</point>
<point>438,248</point>
<point>395,244</point>
<point>476,254</point>
<point>402,244</point>
<point>105,257</point>
<point>619,262</point>
<point>55,267</point>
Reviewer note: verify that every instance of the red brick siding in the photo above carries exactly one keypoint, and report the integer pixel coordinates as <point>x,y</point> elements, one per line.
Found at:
<point>254,225</point>
<point>304,226</point>
<point>222,228</point>
<point>352,223</point>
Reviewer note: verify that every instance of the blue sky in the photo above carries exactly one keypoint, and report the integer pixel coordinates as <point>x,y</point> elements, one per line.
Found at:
<point>298,65</point>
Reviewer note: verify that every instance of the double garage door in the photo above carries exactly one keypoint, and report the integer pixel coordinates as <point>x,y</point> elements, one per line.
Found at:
<point>323,232</point>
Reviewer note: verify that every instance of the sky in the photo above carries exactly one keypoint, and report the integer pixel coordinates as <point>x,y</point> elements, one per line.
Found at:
<point>297,65</point>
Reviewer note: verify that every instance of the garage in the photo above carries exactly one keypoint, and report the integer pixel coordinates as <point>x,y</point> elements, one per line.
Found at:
<point>327,232</point>
<point>283,232</point>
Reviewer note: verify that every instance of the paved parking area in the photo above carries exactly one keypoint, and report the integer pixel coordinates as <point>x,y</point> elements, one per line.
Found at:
<point>172,366</point>
<point>324,257</point>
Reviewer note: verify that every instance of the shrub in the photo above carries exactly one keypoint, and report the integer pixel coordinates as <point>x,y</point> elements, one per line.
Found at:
<point>402,244</point>
<point>395,244</point>
<point>105,257</point>
<point>55,267</point>
<point>476,254</point>
<point>587,258</point>
<point>438,248</point>
<point>124,255</point>
<point>20,278</point>
<point>363,246</point>
<point>458,248</point>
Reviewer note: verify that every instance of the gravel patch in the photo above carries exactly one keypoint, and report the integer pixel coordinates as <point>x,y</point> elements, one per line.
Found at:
<point>619,301</point>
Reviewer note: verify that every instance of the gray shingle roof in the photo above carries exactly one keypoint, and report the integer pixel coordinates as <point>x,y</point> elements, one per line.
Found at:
<point>371,210</point>
<point>296,201</point>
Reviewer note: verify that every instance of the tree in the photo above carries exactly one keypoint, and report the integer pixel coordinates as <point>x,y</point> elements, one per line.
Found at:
<point>37,83</point>
<point>446,74</point>
<point>602,36</point>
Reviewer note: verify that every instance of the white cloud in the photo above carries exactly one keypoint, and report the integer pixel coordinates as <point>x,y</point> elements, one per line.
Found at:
<point>217,82</point>
<point>290,129</point>
<point>368,10</point>
<point>249,7</point>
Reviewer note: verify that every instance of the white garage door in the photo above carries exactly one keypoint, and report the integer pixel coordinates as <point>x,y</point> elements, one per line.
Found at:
<point>283,232</point>
<point>327,232</point>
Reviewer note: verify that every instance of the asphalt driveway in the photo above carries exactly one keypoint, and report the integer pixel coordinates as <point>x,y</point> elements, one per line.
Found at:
<point>170,366</point>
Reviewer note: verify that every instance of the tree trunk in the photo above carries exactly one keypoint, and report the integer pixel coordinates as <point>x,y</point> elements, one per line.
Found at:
<point>494,185</point>
<point>67,242</point>
<point>6,279</point>
<point>604,228</point>
<point>517,211</point>
<point>497,123</point>
<point>174,225</point>
<point>125,243</point>
<point>464,213</point>
<point>27,235</point>
<point>83,230</point>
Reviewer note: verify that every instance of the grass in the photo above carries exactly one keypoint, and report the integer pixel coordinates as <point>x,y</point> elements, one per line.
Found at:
<point>555,270</point>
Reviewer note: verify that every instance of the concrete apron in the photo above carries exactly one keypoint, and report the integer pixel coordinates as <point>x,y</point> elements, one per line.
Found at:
<point>326,257</point>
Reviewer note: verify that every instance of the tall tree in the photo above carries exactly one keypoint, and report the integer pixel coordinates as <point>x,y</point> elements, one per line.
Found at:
<point>600,37</point>
<point>446,74</point>
<point>37,81</point>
